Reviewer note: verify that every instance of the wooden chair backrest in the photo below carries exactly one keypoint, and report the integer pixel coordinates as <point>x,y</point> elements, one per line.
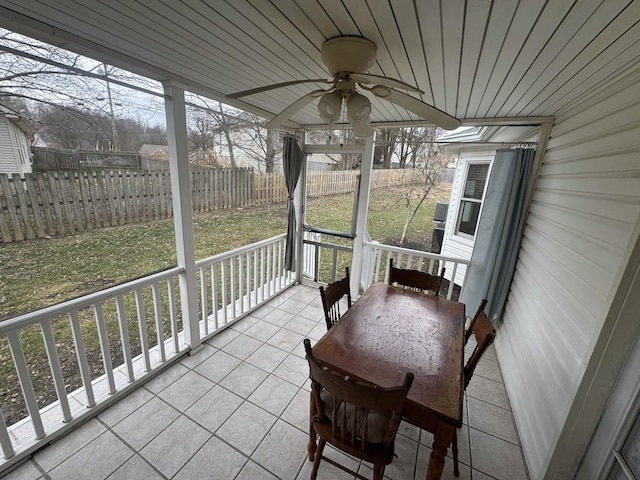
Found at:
<point>331,296</point>
<point>485,333</point>
<point>415,279</point>
<point>479,312</point>
<point>363,396</point>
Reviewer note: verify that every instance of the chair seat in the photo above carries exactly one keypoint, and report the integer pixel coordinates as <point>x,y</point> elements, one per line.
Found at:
<point>377,422</point>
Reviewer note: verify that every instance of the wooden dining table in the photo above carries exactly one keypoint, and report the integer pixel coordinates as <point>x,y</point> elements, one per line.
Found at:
<point>390,331</point>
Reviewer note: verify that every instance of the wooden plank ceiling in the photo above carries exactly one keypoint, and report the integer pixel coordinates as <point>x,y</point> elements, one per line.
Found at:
<point>474,59</point>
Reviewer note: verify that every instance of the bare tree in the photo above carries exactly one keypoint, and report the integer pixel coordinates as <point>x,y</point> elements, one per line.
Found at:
<point>81,89</point>
<point>258,143</point>
<point>386,141</point>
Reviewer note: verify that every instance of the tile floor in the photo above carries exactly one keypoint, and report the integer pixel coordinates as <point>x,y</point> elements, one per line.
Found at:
<point>238,409</point>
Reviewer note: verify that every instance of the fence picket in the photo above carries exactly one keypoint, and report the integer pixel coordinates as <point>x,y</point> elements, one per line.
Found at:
<point>56,202</point>
<point>11,207</point>
<point>22,206</point>
<point>77,211</point>
<point>35,204</point>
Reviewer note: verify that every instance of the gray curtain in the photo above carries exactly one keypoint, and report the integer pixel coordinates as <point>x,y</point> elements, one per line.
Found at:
<point>292,158</point>
<point>499,232</point>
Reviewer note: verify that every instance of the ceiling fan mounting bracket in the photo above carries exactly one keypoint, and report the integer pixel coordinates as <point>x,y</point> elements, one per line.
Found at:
<point>348,54</point>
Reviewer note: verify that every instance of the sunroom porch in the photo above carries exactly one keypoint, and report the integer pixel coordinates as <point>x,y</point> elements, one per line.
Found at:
<point>238,409</point>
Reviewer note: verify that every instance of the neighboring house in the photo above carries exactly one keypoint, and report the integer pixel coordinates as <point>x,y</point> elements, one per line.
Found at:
<point>15,141</point>
<point>158,151</point>
<point>474,150</point>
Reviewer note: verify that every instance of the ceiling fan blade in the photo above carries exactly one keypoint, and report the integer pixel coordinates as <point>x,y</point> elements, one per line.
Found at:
<point>293,108</point>
<point>426,111</point>
<point>387,81</point>
<point>266,88</point>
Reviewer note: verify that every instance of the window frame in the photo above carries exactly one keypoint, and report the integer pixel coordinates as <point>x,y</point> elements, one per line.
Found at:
<point>462,200</point>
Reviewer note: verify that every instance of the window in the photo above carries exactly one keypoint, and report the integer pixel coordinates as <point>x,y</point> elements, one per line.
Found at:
<point>471,200</point>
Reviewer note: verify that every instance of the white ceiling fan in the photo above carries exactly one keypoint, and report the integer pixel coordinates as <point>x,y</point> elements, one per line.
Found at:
<point>346,59</point>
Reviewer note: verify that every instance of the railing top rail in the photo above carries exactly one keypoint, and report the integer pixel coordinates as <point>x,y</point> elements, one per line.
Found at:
<point>326,231</point>
<point>408,251</point>
<point>239,250</point>
<point>53,311</point>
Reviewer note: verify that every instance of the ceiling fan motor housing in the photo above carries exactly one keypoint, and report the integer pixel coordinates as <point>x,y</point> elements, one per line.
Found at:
<point>348,54</point>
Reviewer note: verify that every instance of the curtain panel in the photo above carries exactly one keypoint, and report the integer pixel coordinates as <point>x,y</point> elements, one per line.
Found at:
<point>292,158</point>
<point>499,231</point>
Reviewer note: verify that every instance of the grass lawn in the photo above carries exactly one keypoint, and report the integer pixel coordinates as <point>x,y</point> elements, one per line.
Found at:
<point>35,274</point>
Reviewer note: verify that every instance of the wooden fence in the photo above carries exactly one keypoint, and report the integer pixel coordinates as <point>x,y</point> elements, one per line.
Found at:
<point>59,203</point>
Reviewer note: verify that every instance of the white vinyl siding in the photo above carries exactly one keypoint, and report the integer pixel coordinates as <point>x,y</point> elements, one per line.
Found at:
<point>14,149</point>
<point>585,207</point>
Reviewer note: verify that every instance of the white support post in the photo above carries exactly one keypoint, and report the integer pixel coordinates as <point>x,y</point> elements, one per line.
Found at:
<point>299,202</point>
<point>366,166</point>
<point>182,210</point>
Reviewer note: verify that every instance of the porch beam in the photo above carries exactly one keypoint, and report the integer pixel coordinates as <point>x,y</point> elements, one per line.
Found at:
<point>175,110</point>
<point>366,167</point>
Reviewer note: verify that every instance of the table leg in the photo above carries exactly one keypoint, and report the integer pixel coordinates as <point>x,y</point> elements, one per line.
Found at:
<point>311,448</point>
<point>442,438</point>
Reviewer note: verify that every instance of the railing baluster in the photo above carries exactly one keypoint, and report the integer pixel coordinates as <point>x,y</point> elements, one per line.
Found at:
<point>142,326</point>
<point>104,347</point>
<point>214,294</point>
<point>5,440</point>
<point>124,336</point>
<point>453,279</point>
<point>203,299</point>
<point>223,274</point>
<point>25,382</point>
<point>316,272</point>
<point>269,270</point>
<point>280,272</point>
<point>56,370</point>
<point>173,315</point>
<point>378,254</point>
<point>241,282</point>
<point>262,272</point>
<point>334,269</point>
<point>81,353</point>
<point>232,274</point>
<point>248,273</point>
<point>157,312</point>
<point>256,264</point>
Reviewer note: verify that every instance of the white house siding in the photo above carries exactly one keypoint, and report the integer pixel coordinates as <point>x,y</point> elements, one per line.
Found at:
<point>584,209</point>
<point>14,149</point>
<point>21,149</point>
<point>7,159</point>
<point>457,245</point>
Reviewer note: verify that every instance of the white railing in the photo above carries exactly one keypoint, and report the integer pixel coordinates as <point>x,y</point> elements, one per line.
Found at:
<point>375,264</point>
<point>316,248</point>
<point>235,282</point>
<point>137,329</point>
<point>136,323</point>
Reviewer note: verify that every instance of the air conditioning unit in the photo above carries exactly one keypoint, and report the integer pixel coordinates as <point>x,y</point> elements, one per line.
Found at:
<point>441,212</point>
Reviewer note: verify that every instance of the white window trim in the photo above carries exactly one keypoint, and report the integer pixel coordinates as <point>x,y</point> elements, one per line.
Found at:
<point>456,229</point>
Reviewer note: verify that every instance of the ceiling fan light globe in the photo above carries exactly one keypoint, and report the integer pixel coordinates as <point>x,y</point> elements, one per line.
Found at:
<point>330,106</point>
<point>362,128</point>
<point>358,107</point>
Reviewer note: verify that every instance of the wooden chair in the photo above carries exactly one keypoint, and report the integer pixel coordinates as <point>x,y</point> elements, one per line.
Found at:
<point>415,279</point>
<point>479,312</point>
<point>331,296</point>
<point>357,417</point>
<point>485,334</point>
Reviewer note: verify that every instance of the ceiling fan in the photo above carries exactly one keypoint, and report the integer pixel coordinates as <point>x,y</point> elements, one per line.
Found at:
<point>346,59</point>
